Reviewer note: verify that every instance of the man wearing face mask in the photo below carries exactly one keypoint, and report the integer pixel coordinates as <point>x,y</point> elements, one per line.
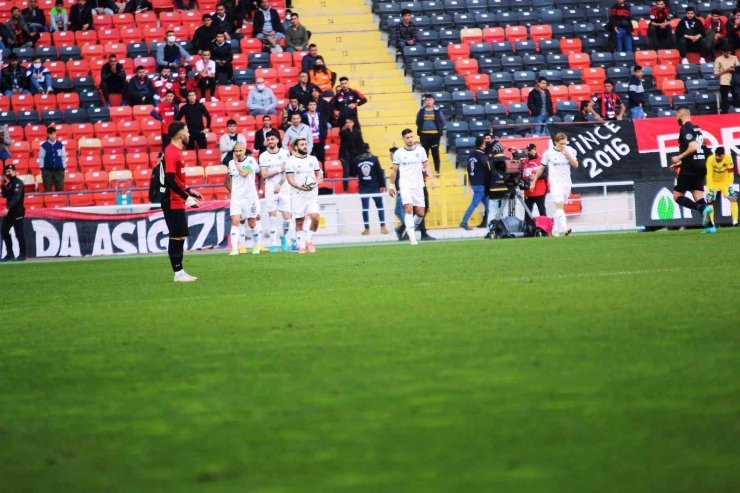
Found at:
<point>140,89</point>
<point>261,100</point>
<point>80,17</point>
<point>171,54</point>
<point>13,214</point>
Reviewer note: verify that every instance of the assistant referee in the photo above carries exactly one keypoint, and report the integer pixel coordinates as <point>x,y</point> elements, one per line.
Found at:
<point>13,214</point>
<point>176,197</point>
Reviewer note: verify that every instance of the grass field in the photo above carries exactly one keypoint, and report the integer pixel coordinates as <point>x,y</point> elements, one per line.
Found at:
<point>588,364</point>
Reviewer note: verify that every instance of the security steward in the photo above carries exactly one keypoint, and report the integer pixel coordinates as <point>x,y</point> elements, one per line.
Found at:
<point>13,214</point>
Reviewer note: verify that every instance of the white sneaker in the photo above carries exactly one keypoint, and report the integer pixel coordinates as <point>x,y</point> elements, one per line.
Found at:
<point>214,100</point>
<point>555,233</point>
<point>702,61</point>
<point>685,61</point>
<point>234,252</point>
<point>413,240</point>
<point>202,100</point>
<point>182,276</point>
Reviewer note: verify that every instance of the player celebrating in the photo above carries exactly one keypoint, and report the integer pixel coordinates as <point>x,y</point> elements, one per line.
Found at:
<point>720,180</point>
<point>176,197</point>
<point>558,161</point>
<point>272,169</point>
<point>299,168</point>
<point>691,167</point>
<point>244,199</point>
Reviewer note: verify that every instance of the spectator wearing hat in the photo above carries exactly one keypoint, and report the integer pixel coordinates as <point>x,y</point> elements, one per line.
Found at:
<point>478,178</point>
<point>53,161</point>
<point>13,192</point>
<point>183,85</point>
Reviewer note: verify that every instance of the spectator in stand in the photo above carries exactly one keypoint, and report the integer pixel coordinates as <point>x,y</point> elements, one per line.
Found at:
<point>53,162</point>
<point>535,196</point>
<point>34,17</point>
<point>690,36</point>
<point>166,112</point>
<point>140,89</point>
<point>137,6</point>
<point>5,142</point>
<point>266,26</point>
<point>478,179</point>
<point>372,181</point>
<point>286,19</point>
<point>302,90</point>
<point>162,84</point>
<point>112,79</point>
<point>228,141</point>
<point>58,19</point>
<point>171,54</point>
<point>317,123</point>
<point>322,77</point>
<point>610,106</point>
<point>260,136</point>
<point>660,33</point>
<point>224,22</point>
<point>80,17</point>
<point>296,36</point>
<point>715,27</point>
<point>261,100</point>
<point>636,93</point>
<point>297,129</point>
<point>19,35</point>
<point>733,29</point>
<point>103,7</point>
<point>205,70</point>
<point>346,102</point>
<point>308,60</point>
<point>322,105</point>
<point>14,79</point>
<point>193,112</point>
<point>181,4</point>
<point>183,85</point>
<point>204,35</point>
<point>430,124</point>
<point>221,54</point>
<point>583,112</point>
<point>724,69</point>
<point>39,76</point>
<point>351,146</point>
<point>289,110</point>
<point>620,20</point>
<point>406,31</point>
<point>539,103</point>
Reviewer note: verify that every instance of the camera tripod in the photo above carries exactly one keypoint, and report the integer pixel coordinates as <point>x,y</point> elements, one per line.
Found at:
<point>508,203</point>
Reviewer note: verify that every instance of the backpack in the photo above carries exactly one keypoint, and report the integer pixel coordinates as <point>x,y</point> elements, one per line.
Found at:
<point>543,226</point>
<point>509,227</point>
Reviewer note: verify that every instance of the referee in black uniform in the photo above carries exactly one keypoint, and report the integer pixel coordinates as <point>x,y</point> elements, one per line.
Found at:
<point>13,214</point>
<point>691,166</point>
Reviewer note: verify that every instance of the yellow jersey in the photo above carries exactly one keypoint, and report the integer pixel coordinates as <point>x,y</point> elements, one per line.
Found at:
<point>720,172</point>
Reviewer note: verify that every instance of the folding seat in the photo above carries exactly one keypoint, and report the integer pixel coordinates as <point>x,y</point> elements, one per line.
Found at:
<point>489,65</point>
<point>120,113</point>
<point>96,180</point>
<point>557,61</point>
<point>443,99</point>
<point>194,176</point>
<point>499,5</point>
<point>562,31</point>
<point>571,76</point>
<point>412,53</point>
<point>706,103</point>
<point>27,117</point>
<point>646,58</point>
<point>550,17</point>
<point>689,71</point>
<point>465,67</point>
<point>668,57</point>
<point>79,199</point>
<point>44,102</point>
<point>458,51</point>
<point>122,21</point>
<point>502,80</point>
<point>22,102</point>
<point>102,21</point>
<point>597,14</point>
<point>672,87</point>
<point>594,78</point>
<point>527,18</point>
<point>508,95</point>
<point>579,92</point>
<point>687,100</point>
<point>579,61</point>
<point>190,158</point>
<point>63,38</point>
<point>49,117</point>
<point>47,53</point>
<point>78,68</point>
<point>471,35</point>
<point>564,108</point>
<point>35,132</point>
<point>455,6</point>
<point>105,129</point>
<point>112,35</point>
<point>126,128</point>
<point>524,48</point>
<point>696,86</point>
<point>476,82</point>
<point>209,157</point>
<point>131,35</point>
<point>549,47</point>
<point>558,93</point>
<point>141,176</point>
<point>432,84</point>
<point>55,201</point>
<point>663,73</point>
<point>465,147</point>
<point>494,111</point>
<point>106,198</point>
<point>521,5</point>
<point>539,32</point>
<point>145,19</point>
<point>516,33</point>
<point>112,145</point>
<point>428,39</point>
<point>154,141</point>
<point>114,162</point>
<point>480,50</point>
<point>8,118</point>
<point>494,35</point>
<point>25,55</point>
<point>624,59</point>
<point>512,63</point>
<point>657,102</point>
<point>62,84</point>
<point>88,52</point>
<point>602,60</point>
<point>552,76</point>
<point>456,130</point>
<point>618,74</point>
<point>505,18</point>
<point>486,96</point>
<point>454,83</point>
<point>461,98</point>
<point>525,78</point>
<point>569,46</point>
<point>584,30</point>
<point>118,49</point>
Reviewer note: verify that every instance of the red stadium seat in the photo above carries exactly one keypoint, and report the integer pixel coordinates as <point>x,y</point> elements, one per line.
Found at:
<point>105,129</point>
<point>112,145</point>
<point>669,57</point>
<point>74,181</point>
<point>235,108</point>
<point>333,169</point>
<point>105,198</point>
<point>466,66</point>
<point>190,158</point>
<point>150,126</point>
<point>89,163</point>
<point>111,35</point>
<point>55,201</point>
<point>153,33</point>
<point>44,102</point>
<point>136,144</point>
<point>215,109</point>
<point>44,40</point>
<point>22,102</point>
<point>128,128</point>
<point>539,32</point>
<point>194,176</point>
<point>477,82</point>
<point>494,34</point>
<point>114,162</point>
<point>96,180</point>
<point>20,149</point>
<point>82,130</point>
<point>288,75</point>
<point>102,21</point>
<point>568,46</point>
<point>80,199</point>
<point>145,19</point>
<point>458,51</point>
<point>283,59</point>
<point>56,69</point>
<point>141,111</point>
<point>92,51</point>
<point>120,113</point>
<point>191,18</point>
<point>118,49</point>
<point>21,165</point>
<point>471,35</point>
<point>154,141</point>
<point>63,38</point>
<point>579,61</point>
<point>148,62</point>
<point>209,157</point>
<point>131,35</point>
<point>78,68</point>
<point>32,202</point>
<point>646,58</point>
<point>579,92</point>
<point>228,93</point>
<point>221,194</point>
<point>269,74</point>
<point>594,77</point>
<point>662,73</point>
<point>86,37</point>
<point>252,45</point>
<point>508,95</point>
<point>64,131</point>
<point>216,174</point>
<point>35,132</point>
<point>672,87</point>
<point>141,177</point>
<point>168,20</point>
<point>68,100</point>
<point>123,20</point>
<point>516,33</point>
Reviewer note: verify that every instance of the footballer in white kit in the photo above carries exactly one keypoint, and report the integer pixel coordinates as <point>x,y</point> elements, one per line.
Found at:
<point>304,198</point>
<point>559,160</point>
<point>277,194</point>
<point>244,199</point>
<point>411,162</point>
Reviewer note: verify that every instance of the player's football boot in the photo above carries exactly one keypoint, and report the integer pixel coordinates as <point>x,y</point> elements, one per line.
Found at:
<point>568,232</point>
<point>310,247</point>
<point>711,195</point>
<point>283,244</point>
<point>294,246</point>
<point>242,249</point>
<point>234,252</point>
<point>554,233</point>
<point>273,249</point>
<point>706,216</point>
<point>256,250</point>
<point>711,230</point>
<point>301,251</point>
<point>182,276</point>
<point>263,249</point>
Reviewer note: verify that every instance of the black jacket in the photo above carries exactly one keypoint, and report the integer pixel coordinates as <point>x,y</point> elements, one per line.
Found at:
<point>369,172</point>
<point>258,22</point>
<point>193,115</point>
<point>228,25</point>
<point>439,120</point>
<point>133,5</point>
<point>259,141</point>
<point>78,17</point>
<point>108,75</point>
<point>478,170</point>
<point>692,28</point>
<point>19,73</point>
<point>350,146</point>
<point>13,193</point>
<point>35,16</point>
<point>203,37</point>
<point>222,52</point>
<point>496,188</point>
<point>534,102</point>
<point>322,124</point>
<point>155,194</point>
<point>303,96</point>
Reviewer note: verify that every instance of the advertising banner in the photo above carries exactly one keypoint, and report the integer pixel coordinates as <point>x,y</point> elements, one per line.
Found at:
<point>655,207</point>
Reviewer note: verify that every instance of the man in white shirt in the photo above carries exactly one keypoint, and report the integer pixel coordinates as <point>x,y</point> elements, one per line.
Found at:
<point>277,194</point>
<point>558,160</point>
<point>228,141</point>
<point>244,199</point>
<point>303,198</point>
<point>412,162</point>
<point>205,69</point>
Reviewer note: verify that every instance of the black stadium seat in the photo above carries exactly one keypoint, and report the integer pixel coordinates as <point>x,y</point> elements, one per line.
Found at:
<point>471,112</point>
<point>486,96</point>
<point>454,82</point>
<point>49,117</point>
<point>75,115</point>
<point>8,118</point>
<point>83,84</point>
<point>431,84</point>
<point>30,117</point>
<point>62,84</point>
<point>67,53</point>
<point>90,99</point>
<point>47,53</point>
<point>489,65</point>
<point>501,80</point>
<point>443,68</point>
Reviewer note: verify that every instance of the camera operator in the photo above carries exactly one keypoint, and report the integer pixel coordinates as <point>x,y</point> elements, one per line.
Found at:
<point>12,192</point>
<point>530,165</point>
<point>498,188</point>
<point>558,162</point>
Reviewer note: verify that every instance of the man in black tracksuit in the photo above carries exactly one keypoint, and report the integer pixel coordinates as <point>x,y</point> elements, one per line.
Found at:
<point>193,113</point>
<point>13,214</point>
<point>372,180</point>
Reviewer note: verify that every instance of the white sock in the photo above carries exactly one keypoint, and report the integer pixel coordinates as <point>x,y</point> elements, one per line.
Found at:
<point>309,235</point>
<point>292,231</point>
<point>256,238</point>
<point>299,236</point>
<point>258,227</point>
<point>408,221</point>
<point>559,220</point>
<point>242,236</point>
<point>417,221</point>
<point>306,225</point>
<point>286,226</point>
<point>235,237</point>
<point>273,229</point>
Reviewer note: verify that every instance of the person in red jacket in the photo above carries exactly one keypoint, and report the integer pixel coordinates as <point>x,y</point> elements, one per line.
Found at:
<point>183,85</point>
<point>536,196</point>
<point>716,32</point>
<point>166,112</point>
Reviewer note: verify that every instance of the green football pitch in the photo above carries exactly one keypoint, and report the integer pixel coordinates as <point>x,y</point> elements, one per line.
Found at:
<point>597,363</point>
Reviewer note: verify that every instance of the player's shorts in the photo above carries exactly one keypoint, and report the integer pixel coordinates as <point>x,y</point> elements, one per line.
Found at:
<point>176,221</point>
<point>246,208</point>
<point>689,183</point>
<point>413,196</point>
<point>278,201</point>
<point>559,193</point>
<point>304,205</point>
<point>721,188</point>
